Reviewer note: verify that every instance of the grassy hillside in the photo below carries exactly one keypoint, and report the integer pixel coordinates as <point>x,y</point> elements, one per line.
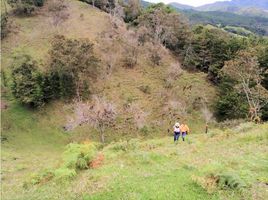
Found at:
<point>123,86</point>
<point>136,169</point>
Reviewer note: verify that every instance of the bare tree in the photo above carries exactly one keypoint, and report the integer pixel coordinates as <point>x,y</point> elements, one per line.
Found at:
<point>207,116</point>
<point>130,49</point>
<point>110,51</point>
<point>100,114</point>
<point>168,28</point>
<point>118,11</point>
<point>173,73</point>
<point>59,11</point>
<point>139,116</point>
<point>245,70</point>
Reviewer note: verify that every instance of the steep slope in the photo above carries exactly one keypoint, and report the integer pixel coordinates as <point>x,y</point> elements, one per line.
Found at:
<point>122,86</point>
<point>33,140</point>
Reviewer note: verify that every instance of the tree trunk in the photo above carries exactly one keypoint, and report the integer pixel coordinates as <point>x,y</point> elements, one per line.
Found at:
<point>102,137</point>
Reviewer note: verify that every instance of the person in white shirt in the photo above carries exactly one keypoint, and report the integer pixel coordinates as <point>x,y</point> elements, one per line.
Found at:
<point>176,128</point>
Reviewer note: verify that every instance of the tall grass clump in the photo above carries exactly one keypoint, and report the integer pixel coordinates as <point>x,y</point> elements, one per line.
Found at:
<point>230,180</point>
<point>79,156</point>
<point>64,173</point>
<point>130,145</point>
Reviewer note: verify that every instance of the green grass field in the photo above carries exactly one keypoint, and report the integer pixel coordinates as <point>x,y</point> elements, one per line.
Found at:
<point>137,168</point>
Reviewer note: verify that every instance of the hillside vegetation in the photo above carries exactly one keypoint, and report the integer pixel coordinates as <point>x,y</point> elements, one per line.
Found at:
<point>90,94</point>
<point>224,164</point>
<point>256,24</point>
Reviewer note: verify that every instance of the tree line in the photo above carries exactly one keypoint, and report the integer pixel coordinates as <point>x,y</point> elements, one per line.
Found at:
<point>71,67</point>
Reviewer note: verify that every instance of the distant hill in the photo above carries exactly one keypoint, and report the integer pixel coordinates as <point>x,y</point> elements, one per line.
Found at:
<point>252,19</point>
<point>234,5</point>
<point>181,6</point>
<point>242,7</point>
<point>245,7</point>
<point>235,13</point>
<point>251,11</point>
<point>255,24</point>
<point>145,4</point>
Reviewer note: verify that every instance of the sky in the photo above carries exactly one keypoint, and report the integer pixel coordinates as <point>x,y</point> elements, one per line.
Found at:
<point>187,2</point>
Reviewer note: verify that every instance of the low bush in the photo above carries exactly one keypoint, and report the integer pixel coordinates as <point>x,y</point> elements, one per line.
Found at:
<point>4,25</point>
<point>64,173</point>
<point>155,57</point>
<point>72,66</point>
<point>146,89</point>
<point>145,130</point>
<point>229,180</point>
<point>244,127</point>
<point>223,181</point>
<point>27,81</point>
<point>25,6</point>
<point>75,157</point>
<point>130,145</point>
<point>209,183</point>
<point>79,156</point>
<point>42,177</point>
<point>105,5</point>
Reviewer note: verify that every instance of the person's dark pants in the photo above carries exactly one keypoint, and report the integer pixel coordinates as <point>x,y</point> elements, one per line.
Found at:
<point>176,136</point>
<point>183,135</point>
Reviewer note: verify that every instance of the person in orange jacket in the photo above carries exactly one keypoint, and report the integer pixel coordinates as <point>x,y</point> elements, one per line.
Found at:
<point>184,130</point>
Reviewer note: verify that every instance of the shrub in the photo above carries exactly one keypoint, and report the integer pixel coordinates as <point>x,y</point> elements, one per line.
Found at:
<point>27,81</point>
<point>25,6</point>
<point>244,127</point>
<point>72,64</point>
<point>229,180</point>
<point>79,156</point>
<point>264,112</point>
<point>145,130</point>
<point>105,5</point>
<point>64,173</point>
<point>131,49</point>
<point>209,183</point>
<point>58,9</point>
<point>132,10</point>
<point>131,57</point>
<point>139,115</point>
<point>120,146</point>
<point>42,177</point>
<point>230,104</point>
<point>174,71</point>
<point>146,89</point>
<point>4,25</point>
<point>126,145</point>
<point>155,58</point>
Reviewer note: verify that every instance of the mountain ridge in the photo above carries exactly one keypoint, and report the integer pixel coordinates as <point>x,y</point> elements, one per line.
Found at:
<point>248,8</point>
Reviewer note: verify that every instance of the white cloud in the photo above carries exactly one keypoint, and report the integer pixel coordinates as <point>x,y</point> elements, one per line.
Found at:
<point>187,2</point>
